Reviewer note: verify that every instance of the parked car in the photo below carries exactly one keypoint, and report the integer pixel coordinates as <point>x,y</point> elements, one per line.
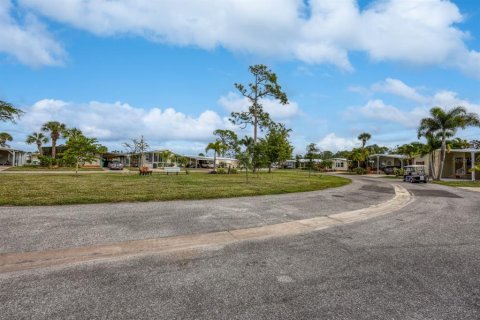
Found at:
<point>415,174</point>
<point>389,169</point>
<point>115,165</point>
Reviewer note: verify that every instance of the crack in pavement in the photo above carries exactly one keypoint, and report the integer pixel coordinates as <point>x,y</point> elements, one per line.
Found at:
<point>17,261</point>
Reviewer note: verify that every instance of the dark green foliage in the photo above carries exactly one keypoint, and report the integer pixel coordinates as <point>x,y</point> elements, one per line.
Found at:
<point>229,139</point>
<point>364,137</point>
<point>47,161</point>
<point>275,147</point>
<point>80,150</point>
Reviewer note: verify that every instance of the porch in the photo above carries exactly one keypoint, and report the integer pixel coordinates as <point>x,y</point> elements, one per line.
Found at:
<point>12,157</point>
<point>459,163</point>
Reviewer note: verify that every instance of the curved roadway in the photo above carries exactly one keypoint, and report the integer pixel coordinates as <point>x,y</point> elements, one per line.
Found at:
<point>419,262</point>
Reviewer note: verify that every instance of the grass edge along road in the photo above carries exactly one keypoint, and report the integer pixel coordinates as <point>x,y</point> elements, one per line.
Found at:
<point>62,189</point>
<point>450,183</point>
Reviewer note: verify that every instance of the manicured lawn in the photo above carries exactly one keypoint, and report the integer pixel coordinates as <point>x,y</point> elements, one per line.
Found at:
<point>44,189</point>
<point>38,168</point>
<point>475,184</point>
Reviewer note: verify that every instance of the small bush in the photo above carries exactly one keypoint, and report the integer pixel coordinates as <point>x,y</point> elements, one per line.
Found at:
<point>47,161</point>
<point>221,171</point>
<point>233,171</point>
<point>360,171</point>
<point>399,172</point>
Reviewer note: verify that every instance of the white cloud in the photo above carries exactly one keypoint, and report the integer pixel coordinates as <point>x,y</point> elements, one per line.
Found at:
<point>380,111</point>
<point>334,143</point>
<point>416,32</point>
<point>29,41</point>
<point>399,88</point>
<point>450,99</point>
<point>234,102</point>
<point>113,123</point>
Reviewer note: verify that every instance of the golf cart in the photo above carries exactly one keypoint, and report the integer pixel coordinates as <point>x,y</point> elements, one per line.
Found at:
<point>415,174</point>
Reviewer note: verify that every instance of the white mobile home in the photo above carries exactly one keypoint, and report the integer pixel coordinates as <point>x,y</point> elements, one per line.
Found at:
<point>12,157</point>
<point>339,164</point>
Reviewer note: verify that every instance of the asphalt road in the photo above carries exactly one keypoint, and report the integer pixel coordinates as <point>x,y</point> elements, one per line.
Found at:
<point>421,262</point>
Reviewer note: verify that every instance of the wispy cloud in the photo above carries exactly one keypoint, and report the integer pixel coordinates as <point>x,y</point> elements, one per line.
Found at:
<point>28,40</point>
<point>399,88</point>
<point>378,110</point>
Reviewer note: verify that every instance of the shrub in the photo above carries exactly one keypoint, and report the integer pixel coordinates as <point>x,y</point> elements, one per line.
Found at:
<point>47,161</point>
<point>360,171</point>
<point>233,171</point>
<point>399,172</point>
<point>221,171</point>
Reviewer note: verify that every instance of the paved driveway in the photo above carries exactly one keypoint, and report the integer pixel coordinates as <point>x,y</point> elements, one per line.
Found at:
<point>421,262</point>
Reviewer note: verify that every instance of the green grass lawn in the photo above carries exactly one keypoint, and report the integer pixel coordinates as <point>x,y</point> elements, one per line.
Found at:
<point>43,189</point>
<point>473,184</point>
<point>39,168</point>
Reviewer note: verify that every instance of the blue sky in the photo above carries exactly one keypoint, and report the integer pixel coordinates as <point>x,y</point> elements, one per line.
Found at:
<point>166,69</point>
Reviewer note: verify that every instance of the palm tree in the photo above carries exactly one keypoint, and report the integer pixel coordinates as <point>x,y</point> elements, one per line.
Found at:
<point>459,143</point>
<point>247,142</point>
<point>433,144</point>
<point>56,130</point>
<point>358,155</point>
<point>218,147</point>
<point>364,137</point>
<point>166,155</point>
<point>411,150</point>
<point>39,139</point>
<point>4,137</point>
<point>73,133</point>
<point>444,124</point>
<point>8,112</point>
<point>312,152</point>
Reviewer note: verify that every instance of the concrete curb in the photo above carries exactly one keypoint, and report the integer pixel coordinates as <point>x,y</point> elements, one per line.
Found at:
<point>474,189</point>
<point>17,261</point>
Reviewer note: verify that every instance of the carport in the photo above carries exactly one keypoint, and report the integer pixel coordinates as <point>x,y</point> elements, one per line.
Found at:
<point>380,161</point>
<point>459,162</point>
<point>12,157</point>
